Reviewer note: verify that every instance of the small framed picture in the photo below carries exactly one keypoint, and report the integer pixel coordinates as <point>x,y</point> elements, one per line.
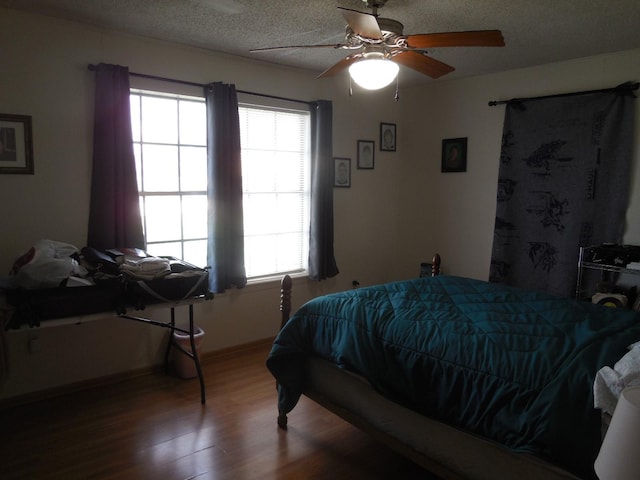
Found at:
<point>388,137</point>
<point>16,148</point>
<point>366,150</point>
<point>454,155</point>
<point>342,172</point>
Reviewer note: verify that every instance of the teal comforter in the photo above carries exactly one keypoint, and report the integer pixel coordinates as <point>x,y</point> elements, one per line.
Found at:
<point>512,365</point>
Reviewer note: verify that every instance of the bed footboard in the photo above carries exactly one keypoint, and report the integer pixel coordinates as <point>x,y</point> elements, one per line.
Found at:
<point>285,310</point>
<point>286,286</point>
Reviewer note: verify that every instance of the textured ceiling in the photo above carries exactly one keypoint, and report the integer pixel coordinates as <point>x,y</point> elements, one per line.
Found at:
<point>535,31</point>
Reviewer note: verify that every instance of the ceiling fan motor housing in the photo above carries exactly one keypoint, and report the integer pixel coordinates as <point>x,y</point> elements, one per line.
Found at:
<point>390,26</point>
<point>374,3</point>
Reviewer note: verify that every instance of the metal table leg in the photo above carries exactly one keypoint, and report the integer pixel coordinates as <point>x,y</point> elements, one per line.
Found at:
<point>172,343</point>
<point>196,358</point>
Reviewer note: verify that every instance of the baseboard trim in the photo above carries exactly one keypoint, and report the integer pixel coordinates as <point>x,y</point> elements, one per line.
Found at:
<point>205,359</point>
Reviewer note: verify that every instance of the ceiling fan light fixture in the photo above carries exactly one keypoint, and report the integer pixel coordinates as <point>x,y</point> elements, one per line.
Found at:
<point>373,73</point>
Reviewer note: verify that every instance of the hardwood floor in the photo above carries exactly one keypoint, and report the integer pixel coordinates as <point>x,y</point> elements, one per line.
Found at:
<point>154,427</point>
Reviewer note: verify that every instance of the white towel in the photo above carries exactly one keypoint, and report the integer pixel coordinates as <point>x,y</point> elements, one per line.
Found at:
<point>610,382</point>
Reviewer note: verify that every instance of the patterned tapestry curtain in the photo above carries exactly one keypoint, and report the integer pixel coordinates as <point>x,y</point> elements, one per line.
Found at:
<point>114,214</point>
<point>563,183</point>
<point>225,243</point>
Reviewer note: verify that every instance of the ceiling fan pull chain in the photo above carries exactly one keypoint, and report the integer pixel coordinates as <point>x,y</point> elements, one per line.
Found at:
<point>397,97</point>
<point>350,87</point>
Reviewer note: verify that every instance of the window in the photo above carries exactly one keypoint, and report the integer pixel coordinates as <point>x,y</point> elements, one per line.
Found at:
<point>275,178</point>
<point>169,137</point>
<point>170,146</point>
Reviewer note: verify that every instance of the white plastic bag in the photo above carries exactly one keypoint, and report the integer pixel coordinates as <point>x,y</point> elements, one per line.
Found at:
<point>46,265</point>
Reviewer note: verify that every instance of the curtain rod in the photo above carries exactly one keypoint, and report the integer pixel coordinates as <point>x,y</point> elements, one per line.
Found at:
<point>202,85</point>
<point>623,88</point>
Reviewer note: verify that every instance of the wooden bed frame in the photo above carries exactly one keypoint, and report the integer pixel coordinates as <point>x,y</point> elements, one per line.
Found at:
<point>286,285</point>
<point>443,450</point>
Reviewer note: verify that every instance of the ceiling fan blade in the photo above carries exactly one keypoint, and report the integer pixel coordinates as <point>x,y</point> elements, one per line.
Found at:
<point>338,67</point>
<point>363,24</point>
<point>331,45</point>
<point>422,63</point>
<point>480,38</point>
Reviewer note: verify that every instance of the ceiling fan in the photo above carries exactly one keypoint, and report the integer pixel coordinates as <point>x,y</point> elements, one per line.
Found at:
<point>378,45</point>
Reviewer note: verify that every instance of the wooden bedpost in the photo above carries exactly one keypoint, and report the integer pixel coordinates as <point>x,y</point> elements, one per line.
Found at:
<point>285,309</point>
<point>435,265</point>
<point>285,299</point>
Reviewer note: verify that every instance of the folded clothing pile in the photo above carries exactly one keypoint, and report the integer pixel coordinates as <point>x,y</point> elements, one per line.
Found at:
<point>146,268</point>
<point>610,382</point>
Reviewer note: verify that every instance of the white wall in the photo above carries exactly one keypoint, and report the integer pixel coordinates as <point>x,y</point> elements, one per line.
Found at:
<point>391,219</point>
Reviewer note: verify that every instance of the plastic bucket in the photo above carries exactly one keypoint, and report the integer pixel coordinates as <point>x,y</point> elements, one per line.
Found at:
<point>185,365</point>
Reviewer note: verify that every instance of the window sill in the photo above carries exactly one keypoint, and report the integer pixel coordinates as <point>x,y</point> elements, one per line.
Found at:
<point>276,278</point>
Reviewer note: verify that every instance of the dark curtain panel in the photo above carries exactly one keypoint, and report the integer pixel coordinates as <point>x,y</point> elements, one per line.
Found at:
<point>563,182</point>
<point>114,215</point>
<point>225,246</point>
<point>322,264</point>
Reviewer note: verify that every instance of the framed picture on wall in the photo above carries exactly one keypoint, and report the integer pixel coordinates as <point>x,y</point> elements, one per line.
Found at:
<point>366,150</point>
<point>454,155</point>
<point>342,172</point>
<point>388,137</point>
<point>16,148</point>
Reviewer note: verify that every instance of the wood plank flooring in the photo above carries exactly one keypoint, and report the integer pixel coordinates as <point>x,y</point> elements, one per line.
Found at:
<point>154,427</point>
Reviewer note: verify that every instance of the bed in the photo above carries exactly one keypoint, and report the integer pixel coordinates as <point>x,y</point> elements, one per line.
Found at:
<point>470,379</point>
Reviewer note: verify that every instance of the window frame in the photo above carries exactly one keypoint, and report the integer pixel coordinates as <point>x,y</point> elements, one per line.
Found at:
<point>140,166</point>
<point>271,105</point>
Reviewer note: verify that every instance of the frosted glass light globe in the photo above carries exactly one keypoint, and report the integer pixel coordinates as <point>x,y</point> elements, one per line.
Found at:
<point>373,73</point>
